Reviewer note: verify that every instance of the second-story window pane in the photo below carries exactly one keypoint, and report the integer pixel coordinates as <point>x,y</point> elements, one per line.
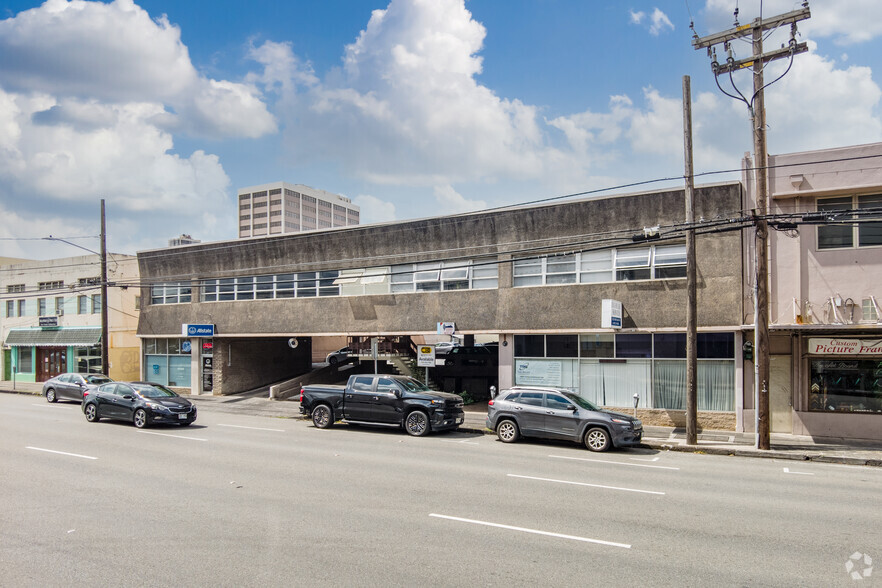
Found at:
<point>870,233</point>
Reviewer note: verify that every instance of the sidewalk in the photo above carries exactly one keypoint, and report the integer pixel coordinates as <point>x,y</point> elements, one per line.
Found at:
<point>791,447</point>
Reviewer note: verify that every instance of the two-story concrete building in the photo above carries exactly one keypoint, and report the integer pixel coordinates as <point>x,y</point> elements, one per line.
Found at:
<point>825,294</point>
<point>534,278</point>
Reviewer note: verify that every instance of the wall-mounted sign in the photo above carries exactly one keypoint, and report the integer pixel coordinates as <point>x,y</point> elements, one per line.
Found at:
<point>610,314</point>
<point>197,330</point>
<point>48,321</point>
<point>538,373</point>
<point>830,346</point>
<point>446,328</point>
<point>426,356</point>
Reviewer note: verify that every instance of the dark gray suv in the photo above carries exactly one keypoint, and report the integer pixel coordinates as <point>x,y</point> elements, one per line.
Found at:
<point>554,413</point>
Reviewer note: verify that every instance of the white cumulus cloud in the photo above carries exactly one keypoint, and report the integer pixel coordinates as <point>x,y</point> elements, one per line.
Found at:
<point>406,107</point>
<point>91,95</point>
<point>115,53</point>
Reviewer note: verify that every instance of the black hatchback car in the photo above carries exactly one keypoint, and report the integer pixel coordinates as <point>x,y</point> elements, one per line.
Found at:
<point>554,413</point>
<point>72,386</point>
<point>141,403</point>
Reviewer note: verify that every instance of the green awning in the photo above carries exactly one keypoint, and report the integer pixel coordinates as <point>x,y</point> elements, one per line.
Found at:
<point>61,337</point>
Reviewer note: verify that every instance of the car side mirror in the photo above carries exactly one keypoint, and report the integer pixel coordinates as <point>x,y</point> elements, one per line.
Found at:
<point>573,408</point>
<point>127,397</point>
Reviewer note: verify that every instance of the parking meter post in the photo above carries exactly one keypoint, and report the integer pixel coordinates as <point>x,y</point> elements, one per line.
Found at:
<point>636,402</point>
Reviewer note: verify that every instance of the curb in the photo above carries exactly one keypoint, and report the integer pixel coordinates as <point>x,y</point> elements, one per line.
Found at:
<point>31,393</point>
<point>770,454</point>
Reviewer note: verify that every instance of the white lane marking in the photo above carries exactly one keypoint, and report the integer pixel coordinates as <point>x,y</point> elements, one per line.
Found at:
<point>787,471</point>
<point>644,459</point>
<point>852,467</point>
<point>48,405</point>
<point>252,428</point>
<point>534,531</point>
<point>61,452</point>
<point>586,484</point>
<point>175,436</point>
<point>624,463</point>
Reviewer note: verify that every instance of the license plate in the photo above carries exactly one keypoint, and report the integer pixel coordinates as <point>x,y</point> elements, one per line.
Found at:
<point>182,417</point>
<point>459,421</point>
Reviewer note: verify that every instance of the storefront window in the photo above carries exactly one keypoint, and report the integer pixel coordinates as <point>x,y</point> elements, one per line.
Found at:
<point>597,345</point>
<point>846,385</point>
<point>167,361</point>
<point>562,346</point>
<point>25,360</point>
<point>88,360</point>
<point>529,345</point>
<point>715,385</point>
<point>636,345</point>
<point>613,367</point>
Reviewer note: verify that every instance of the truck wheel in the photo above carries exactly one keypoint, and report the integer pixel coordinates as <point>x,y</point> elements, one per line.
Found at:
<point>417,423</point>
<point>322,417</point>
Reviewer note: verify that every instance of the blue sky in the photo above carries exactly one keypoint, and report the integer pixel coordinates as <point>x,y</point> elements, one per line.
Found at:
<point>411,108</point>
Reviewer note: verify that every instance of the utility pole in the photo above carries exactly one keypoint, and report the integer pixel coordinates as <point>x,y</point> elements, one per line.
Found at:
<point>756,108</point>
<point>105,365</point>
<point>691,292</point>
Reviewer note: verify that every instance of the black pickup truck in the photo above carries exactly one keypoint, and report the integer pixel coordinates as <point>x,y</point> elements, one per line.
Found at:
<point>377,399</point>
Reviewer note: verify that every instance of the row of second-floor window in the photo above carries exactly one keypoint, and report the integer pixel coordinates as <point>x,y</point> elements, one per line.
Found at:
<point>414,277</point>
<point>170,293</point>
<point>53,306</point>
<point>841,236</point>
<point>655,262</point>
<point>51,285</point>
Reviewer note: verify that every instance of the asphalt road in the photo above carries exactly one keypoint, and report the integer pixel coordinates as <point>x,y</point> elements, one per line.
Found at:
<point>241,500</point>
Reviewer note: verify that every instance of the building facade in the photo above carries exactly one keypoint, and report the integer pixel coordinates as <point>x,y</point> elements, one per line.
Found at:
<point>533,278</point>
<point>50,321</point>
<point>182,240</point>
<point>825,294</point>
<point>279,208</point>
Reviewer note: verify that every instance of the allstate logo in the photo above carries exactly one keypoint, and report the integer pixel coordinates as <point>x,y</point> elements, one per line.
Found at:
<point>192,330</point>
<point>859,566</point>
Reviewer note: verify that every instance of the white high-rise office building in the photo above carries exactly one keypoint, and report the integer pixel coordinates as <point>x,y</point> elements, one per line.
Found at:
<point>280,207</point>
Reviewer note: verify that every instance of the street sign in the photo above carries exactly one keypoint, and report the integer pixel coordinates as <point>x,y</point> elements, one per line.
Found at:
<point>426,356</point>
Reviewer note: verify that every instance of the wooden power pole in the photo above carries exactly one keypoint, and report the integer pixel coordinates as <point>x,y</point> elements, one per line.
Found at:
<point>756,108</point>
<point>691,291</point>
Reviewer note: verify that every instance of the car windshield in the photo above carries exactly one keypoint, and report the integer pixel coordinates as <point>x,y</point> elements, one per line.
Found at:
<point>579,401</point>
<point>154,391</point>
<point>412,385</point>
<point>97,379</point>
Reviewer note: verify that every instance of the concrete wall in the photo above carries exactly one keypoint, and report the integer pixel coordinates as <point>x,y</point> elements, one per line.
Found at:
<point>502,235</point>
<point>242,364</point>
<point>799,270</point>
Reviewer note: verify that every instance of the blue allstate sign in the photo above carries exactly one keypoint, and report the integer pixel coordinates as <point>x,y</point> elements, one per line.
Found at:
<point>198,330</point>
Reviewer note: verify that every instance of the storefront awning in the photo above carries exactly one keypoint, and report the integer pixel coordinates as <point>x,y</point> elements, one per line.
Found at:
<point>63,337</point>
